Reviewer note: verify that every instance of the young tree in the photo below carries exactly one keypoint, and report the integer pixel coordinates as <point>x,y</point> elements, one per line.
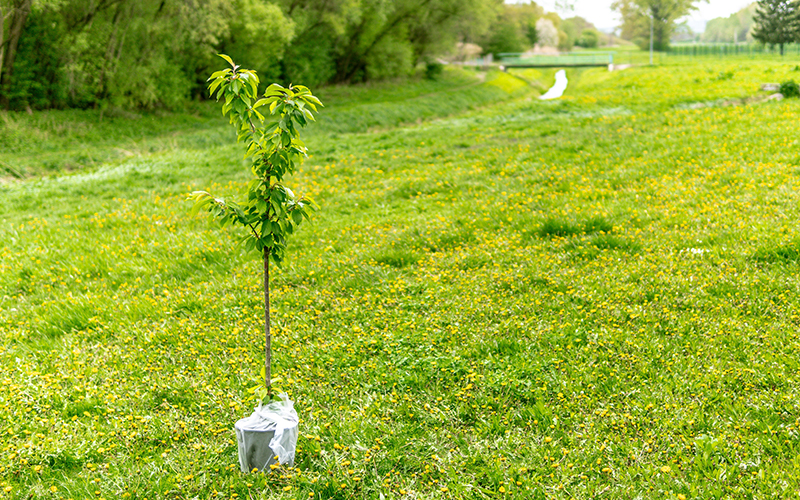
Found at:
<point>777,22</point>
<point>271,210</point>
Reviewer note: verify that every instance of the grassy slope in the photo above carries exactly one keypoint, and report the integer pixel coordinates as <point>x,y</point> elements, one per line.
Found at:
<point>56,141</point>
<point>560,299</point>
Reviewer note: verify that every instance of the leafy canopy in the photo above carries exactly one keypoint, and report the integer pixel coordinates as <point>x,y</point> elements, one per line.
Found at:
<point>777,22</point>
<point>268,126</point>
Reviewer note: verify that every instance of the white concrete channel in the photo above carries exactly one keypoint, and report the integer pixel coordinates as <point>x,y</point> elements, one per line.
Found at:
<point>558,89</point>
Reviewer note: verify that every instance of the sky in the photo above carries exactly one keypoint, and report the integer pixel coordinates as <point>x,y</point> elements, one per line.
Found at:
<point>599,12</point>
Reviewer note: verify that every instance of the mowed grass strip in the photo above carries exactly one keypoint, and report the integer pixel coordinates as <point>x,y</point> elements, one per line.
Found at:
<point>595,296</point>
<point>58,141</point>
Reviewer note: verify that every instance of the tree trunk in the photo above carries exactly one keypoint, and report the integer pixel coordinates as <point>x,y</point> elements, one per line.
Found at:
<point>18,18</point>
<point>2,40</point>
<point>108,60</point>
<point>267,336</point>
<point>781,50</point>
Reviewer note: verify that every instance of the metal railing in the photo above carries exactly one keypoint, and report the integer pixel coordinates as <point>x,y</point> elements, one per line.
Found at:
<point>511,60</point>
<point>723,50</point>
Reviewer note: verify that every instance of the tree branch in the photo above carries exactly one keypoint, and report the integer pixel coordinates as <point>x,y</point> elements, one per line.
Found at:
<point>255,234</point>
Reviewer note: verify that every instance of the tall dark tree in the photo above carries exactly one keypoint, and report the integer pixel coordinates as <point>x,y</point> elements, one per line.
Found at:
<point>777,22</point>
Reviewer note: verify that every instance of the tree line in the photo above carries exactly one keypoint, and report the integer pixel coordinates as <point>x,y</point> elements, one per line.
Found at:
<point>158,53</point>
<point>735,28</point>
<point>771,22</point>
<point>147,53</point>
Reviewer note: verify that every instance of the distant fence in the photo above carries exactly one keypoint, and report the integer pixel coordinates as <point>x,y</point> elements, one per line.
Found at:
<point>638,57</point>
<point>515,60</point>
<point>731,50</point>
<point>484,62</point>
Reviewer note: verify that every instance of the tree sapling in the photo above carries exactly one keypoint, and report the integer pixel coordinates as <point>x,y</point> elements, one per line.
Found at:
<point>271,211</point>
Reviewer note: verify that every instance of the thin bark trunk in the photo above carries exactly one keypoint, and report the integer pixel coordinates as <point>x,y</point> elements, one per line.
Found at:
<point>2,40</point>
<point>18,19</point>
<point>267,336</point>
<point>108,60</point>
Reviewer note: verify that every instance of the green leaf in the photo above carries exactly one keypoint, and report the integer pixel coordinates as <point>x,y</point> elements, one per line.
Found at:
<point>197,206</point>
<point>254,86</point>
<point>313,99</point>
<point>216,83</point>
<point>263,101</point>
<point>227,59</point>
<point>297,216</point>
<point>218,74</point>
<point>275,89</point>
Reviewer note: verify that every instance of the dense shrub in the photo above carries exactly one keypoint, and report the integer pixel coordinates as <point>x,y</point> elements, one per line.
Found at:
<point>433,70</point>
<point>589,39</point>
<point>790,89</point>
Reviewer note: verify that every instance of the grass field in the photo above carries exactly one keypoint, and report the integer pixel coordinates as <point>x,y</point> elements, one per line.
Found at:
<point>595,297</point>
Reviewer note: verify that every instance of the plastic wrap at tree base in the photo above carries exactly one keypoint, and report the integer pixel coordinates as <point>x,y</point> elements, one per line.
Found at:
<point>270,432</point>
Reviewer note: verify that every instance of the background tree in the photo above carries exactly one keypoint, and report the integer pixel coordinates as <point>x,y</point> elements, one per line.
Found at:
<point>589,39</point>
<point>506,36</point>
<point>576,27</point>
<point>259,33</point>
<point>637,14</point>
<point>683,33</point>
<point>357,40</point>
<point>777,22</point>
<point>548,33</point>
<point>734,28</point>
<point>513,28</point>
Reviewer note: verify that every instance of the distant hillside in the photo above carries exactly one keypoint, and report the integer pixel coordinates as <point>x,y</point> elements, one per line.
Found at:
<point>734,28</point>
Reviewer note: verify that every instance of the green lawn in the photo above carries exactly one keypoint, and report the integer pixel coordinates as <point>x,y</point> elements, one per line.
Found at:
<point>501,297</point>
